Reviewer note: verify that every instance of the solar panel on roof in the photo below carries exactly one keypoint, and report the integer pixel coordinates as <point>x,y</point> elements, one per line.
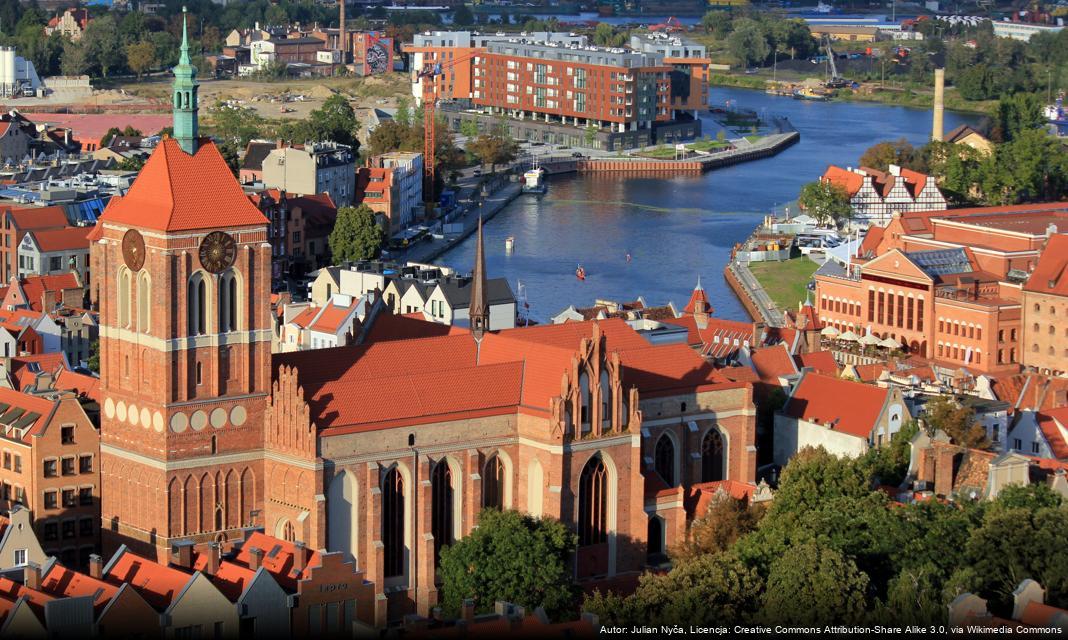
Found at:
<point>939,262</point>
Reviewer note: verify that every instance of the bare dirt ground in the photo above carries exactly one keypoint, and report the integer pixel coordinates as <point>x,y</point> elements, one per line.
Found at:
<point>291,98</point>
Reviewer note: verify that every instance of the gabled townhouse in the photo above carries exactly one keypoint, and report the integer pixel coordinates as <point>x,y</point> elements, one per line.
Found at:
<point>17,222</point>
<point>263,606</point>
<point>189,604</point>
<point>118,609</point>
<point>407,295</point>
<point>43,293</point>
<point>335,324</point>
<point>876,195</point>
<point>18,541</point>
<point>846,418</point>
<point>49,252</point>
<point>1043,434</point>
<point>450,301</point>
<point>51,466</point>
<point>46,336</point>
<point>22,610</point>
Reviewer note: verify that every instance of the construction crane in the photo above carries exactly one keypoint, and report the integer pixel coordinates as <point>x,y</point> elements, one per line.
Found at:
<point>834,81</point>
<point>428,75</point>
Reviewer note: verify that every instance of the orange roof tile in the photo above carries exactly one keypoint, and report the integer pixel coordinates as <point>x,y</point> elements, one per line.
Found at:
<point>83,385</point>
<point>1054,425</point>
<point>847,406</point>
<point>64,239</point>
<point>1040,615</point>
<point>38,217</point>
<point>176,191</point>
<point>158,584</point>
<point>63,582</point>
<point>666,368</point>
<point>388,326</point>
<point>332,317</point>
<point>702,494</point>
<point>305,317</point>
<point>12,591</point>
<point>848,180</point>
<point>278,558</point>
<point>1051,273</point>
<point>772,363</point>
<point>819,361</point>
<point>230,579</point>
<point>29,404</point>
<point>698,301</point>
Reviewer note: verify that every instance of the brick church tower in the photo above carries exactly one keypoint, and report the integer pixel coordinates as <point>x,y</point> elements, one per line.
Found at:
<point>182,270</point>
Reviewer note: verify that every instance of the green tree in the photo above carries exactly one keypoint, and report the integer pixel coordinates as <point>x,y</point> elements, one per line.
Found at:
<point>236,124</point>
<point>140,57</point>
<point>391,136</point>
<point>883,154</point>
<point>747,42</point>
<point>75,59</point>
<point>496,562</point>
<point>493,149</point>
<point>356,235</point>
<point>335,120</point>
<point>718,23</point>
<point>462,16</point>
<point>103,45</point>
<point>812,584</point>
<point>956,420</point>
<point>826,202</point>
<point>404,111</point>
<point>813,476</point>
<point>1031,497</point>
<point>1017,113</point>
<point>94,356</point>
<point>707,589</point>
<point>606,35</point>
<point>889,464</point>
<point>725,521</point>
<point>469,129</point>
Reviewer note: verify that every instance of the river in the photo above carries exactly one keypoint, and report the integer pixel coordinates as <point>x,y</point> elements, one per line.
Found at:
<point>676,229</point>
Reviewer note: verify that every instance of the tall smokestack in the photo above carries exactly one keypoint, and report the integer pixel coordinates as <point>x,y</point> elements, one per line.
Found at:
<point>939,104</point>
<point>341,39</point>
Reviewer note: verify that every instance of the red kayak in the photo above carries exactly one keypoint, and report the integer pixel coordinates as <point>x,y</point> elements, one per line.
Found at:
<point>580,273</point>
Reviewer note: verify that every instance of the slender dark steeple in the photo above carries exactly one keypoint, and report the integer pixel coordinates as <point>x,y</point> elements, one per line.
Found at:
<point>479,312</point>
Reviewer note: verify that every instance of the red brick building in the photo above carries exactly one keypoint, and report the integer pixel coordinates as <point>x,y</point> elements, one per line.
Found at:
<point>51,465</point>
<point>946,285</point>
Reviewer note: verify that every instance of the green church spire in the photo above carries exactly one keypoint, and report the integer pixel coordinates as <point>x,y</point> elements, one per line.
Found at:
<point>185,96</point>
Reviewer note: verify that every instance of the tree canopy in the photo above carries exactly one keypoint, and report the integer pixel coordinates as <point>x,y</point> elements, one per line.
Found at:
<point>356,235</point>
<point>513,557</point>
<point>826,202</point>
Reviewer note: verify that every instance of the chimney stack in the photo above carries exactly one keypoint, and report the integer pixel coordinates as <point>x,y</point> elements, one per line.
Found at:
<point>214,553</point>
<point>96,567</point>
<point>32,576</point>
<point>255,558</point>
<point>939,104</point>
<point>341,36</point>
<point>182,554</point>
<point>298,557</point>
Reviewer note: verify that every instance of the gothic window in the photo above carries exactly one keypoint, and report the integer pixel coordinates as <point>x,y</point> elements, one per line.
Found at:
<point>584,399</point>
<point>664,459</point>
<point>228,302</point>
<point>493,483</point>
<point>289,534</point>
<point>442,500</point>
<point>197,305</point>
<point>593,503</point>
<point>393,522</point>
<point>712,455</point>
<point>606,402</point>
<point>124,298</point>
<point>144,303</point>
<point>655,539</point>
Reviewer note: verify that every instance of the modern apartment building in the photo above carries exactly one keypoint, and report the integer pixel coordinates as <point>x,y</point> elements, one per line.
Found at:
<point>689,64</point>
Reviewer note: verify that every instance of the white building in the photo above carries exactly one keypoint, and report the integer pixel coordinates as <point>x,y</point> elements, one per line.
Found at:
<point>335,324</point>
<point>48,252</point>
<point>407,170</point>
<point>450,301</point>
<point>1023,30</point>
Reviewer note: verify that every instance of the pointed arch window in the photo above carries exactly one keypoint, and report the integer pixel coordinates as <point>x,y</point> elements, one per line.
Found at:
<point>493,483</point>
<point>712,456</point>
<point>664,459</point>
<point>197,305</point>
<point>124,298</point>
<point>593,503</point>
<point>144,303</point>
<point>228,302</point>
<point>393,522</point>
<point>442,502</point>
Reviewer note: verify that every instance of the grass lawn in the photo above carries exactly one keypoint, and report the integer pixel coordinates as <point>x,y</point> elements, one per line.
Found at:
<point>785,281</point>
<point>662,153</point>
<point>708,145</point>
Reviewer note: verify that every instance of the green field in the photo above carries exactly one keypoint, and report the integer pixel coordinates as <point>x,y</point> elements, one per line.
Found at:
<point>785,281</point>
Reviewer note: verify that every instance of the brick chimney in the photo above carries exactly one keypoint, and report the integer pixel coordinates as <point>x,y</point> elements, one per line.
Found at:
<point>214,557</point>
<point>255,558</point>
<point>943,470</point>
<point>96,567</point>
<point>758,331</point>
<point>32,576</point>
<point>182,554</point>
<point>298,557</point>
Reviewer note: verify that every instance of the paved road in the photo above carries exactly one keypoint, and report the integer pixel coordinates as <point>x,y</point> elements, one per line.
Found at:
<point>768,309</point>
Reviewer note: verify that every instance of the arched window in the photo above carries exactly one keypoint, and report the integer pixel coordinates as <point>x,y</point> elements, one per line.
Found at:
<point>228,302</point>
<point>197,307</point>
<point>712,456</point>
<point>144,303</point>
<point>664,459</point>
<point>393,522</point>
<point>442,518</point>
<point>124,298</point>
<point>606,402</point>
<point>593,503</point>
<point>288,532</point>
<point>584,402</point>
<point>655,540</point>
<point>493,483</point>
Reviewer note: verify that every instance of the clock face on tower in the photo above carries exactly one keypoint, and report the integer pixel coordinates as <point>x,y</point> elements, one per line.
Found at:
<point>133,250</point>
<point>217,251</point>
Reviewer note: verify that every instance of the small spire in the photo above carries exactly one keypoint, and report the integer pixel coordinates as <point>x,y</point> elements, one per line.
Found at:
<point>478,311</point>
<point>184,58</point>
<point>698,287</point>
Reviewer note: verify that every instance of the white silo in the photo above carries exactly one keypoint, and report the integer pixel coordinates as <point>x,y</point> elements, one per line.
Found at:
<point>7,72</point>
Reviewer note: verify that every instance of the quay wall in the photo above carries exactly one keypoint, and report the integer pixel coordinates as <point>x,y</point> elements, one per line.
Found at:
<point>743,294</point>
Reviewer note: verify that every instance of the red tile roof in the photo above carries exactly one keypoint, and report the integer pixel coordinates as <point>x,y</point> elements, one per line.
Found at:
<point>65,239</point>
<point>38,217</point>
<point>230,579</point>
<point>1054,426</point>
<point>658,370</point>
<point>772,363</point>
<point>63,582</point>
<point>1041,615</point>
<point>91,127</point>
<point>849,407</point>
<point>176,191</point>
<point>83,385</point>
<point>1051,273</point>
<point>11,591</point>
<point>305,317</point>
<point>29,404</point>
<point>719,338</point>
<point>388,326</point>
<point>869,247</point>
<point>47,362</point>
<point>850,181</point>
<point>158,584</point>
<point>332,318</point>
<point>820,361</point>
<point>278,558</point>
<point>702,494</point>
<point>698,301</point>
<point>36,287</point>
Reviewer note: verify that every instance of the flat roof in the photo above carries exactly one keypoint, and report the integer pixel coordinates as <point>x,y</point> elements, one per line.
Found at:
<point>617,57</point>
<point>1033,223</point>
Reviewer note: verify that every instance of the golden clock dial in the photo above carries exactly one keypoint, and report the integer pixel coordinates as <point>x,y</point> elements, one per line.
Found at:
<point>133,250</point>
<point>217,251</point>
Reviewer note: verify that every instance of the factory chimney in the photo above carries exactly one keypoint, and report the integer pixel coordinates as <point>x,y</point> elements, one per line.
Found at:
<point>939,104</point>
<point>341,39</point>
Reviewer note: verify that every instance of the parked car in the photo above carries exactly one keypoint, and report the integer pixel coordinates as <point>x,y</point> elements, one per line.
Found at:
<point>577,154</point>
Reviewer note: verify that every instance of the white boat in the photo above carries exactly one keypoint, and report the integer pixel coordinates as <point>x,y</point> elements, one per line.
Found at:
<point>534,179</point>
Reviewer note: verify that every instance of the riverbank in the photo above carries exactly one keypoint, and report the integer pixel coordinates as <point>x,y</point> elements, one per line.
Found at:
<point>905,97</point>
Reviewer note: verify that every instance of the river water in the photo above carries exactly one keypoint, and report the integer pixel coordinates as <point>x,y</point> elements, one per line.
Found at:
<point>676,229</point>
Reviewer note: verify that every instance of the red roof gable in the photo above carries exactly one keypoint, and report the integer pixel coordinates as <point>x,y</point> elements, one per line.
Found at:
<point>388,326</point>
<point>850,181</point>
<point>331,318</point>
<point>772,363</point>
<point>1051,422</point>
<point>278,558</point>
<point>847,406</point>
<point>1051,273</point>
<point>64,239</point>
<point>176,191</point>
<point>38,217</point>
<point>64,582</point>
<point>819,361</point>
<point>158,584</point>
